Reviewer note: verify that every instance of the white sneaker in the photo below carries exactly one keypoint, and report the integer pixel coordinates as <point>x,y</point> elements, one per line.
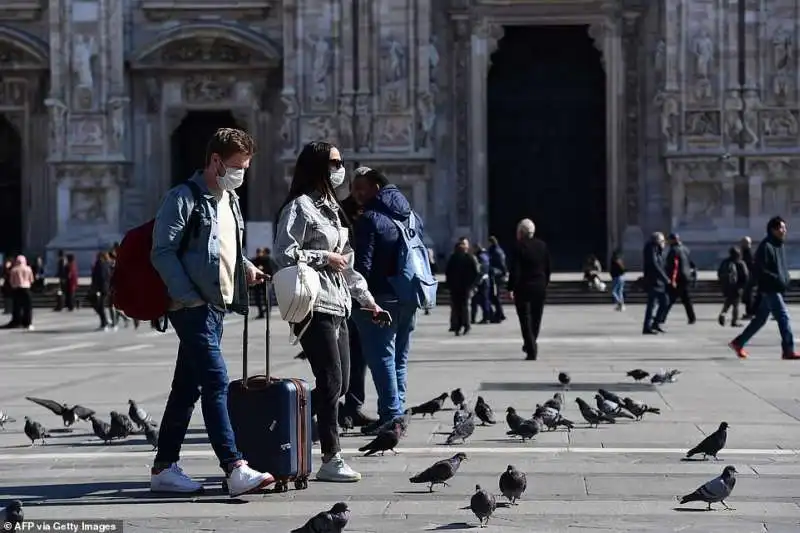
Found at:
<point>244,479</point>
<point>173,479</point>
<point>30,328</point>
<point>336,470</point>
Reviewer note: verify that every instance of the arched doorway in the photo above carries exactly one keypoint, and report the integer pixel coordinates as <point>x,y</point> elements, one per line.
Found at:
<point>547,140</point>
<point>189,142</point>
<point>11,238</point>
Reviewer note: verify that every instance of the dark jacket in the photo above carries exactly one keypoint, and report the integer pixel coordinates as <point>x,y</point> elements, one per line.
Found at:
<point>678,265</point>
<point>484,267</point>
<point>742,276</point>
<point>462,272</point>
<point>616,267</point>
<point>377,240</point>
<point>529,272</point>
<point>655,276</point>
<point>747,257</point>
<point>101,277</point>
<point>771,269</point>
<point>497,260</point>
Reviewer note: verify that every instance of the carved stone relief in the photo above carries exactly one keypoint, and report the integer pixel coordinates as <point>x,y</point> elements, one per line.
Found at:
<point>363,124</point>
<point>394,74</point>
<point>288,133</point>
<point>703,124</point>
<point>13,93</point>
<point>206,51</point>
<point>669,117</point>
<point>700,192</point>
<point>426,119</point>
<point>208,88</point>
<point>394,132</point>
<point>433,65</point>
<point>84,56</point>
<point>88,205</point>
<point>779,125</point>
<point>752,105</point>
<point>117,107</point>
<point>316,128</point>
<point>345,119</point>
<point>320,88</point>
<point>58,111</point>
<point>782,64</point>
<point>86,132</point>
<point>10,55</point>
<point>703,53</point>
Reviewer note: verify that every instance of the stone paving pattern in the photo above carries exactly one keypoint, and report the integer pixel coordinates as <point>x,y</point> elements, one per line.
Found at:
<point>596,487</point>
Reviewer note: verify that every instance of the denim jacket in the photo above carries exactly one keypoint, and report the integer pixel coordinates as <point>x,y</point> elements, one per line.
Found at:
<point>194,276</point>
<point>312,224</point>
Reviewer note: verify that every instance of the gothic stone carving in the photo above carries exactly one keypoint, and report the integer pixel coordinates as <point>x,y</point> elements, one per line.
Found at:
<point>394,132</point>
<point>316,128</point>
<point>632,121</point>
<point>320,49</point>
<point>701,183</point>
<point>780,193</point>
<point>426,119</point>
<point>11,56</point>
<point>205,51</point>
<point>288,133</point>
<point>703,124</point>
<point>12,92</point>
<point>345,119</point>
<point>779,127</point>
<point>782,62</point>
<point>84,53</point>
<point>669,118</point>
<point>88,205</point>
<point>703,49</point>
<point>394,78</point>
<point>58,125</point>
<point>461,102</point>
<point>363,133</point>
<point>208,88</point>
<point>86,132</point>
<point>117,106</point>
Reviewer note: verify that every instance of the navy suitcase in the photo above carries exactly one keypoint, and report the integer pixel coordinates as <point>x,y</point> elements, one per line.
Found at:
<point>271,419</point>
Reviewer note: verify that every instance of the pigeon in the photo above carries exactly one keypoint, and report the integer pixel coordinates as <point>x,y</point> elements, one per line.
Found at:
<point>5,419</point>
<point>35,431</point>
<point>389,424</point>
<point>484,412</point>
<point>610,396</point>
<point>527,429</point>
<point>670,376</point>
<point>556,402</point>
<point>383,442</point>
<point>551,418</point>
<point>121,426</point>
<point>564,379</point>
<point>139,416</point>
<point>70,415</point>
<point>440,471</point>
<point>611,408</point>
<point>513,419</point>
<point>462,431</point>
<point>333,521</point>
<point>101,429</point>
<point>638,409</point>
<point>482,505</point>
<point>12,516</point>
<point>637,374</point>
<point>513,484</point>
<point>430,407</point>
<point>712,444</point>
<point>458,397</point>
<point>592,416</point>
<point>151,435</point>
<point>716,490</point>
<point>345,422</point>
<point>301,356</point>
<point>461,414</point>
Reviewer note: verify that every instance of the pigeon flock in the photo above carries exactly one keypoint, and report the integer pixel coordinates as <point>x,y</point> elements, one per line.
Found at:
<point>608,408</point>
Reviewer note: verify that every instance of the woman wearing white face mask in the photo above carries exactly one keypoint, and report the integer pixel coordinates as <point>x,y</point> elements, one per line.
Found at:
<point>311,220</point>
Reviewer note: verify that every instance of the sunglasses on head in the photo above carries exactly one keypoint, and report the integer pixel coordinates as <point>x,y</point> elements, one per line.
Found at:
<point>336,163</point>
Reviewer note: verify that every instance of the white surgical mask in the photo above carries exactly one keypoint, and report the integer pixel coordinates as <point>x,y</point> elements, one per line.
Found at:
<point>337,177</point>
<point>232,179</point>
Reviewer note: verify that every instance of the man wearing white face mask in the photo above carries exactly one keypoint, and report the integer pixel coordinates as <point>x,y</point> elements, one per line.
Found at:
<point>197,250</point>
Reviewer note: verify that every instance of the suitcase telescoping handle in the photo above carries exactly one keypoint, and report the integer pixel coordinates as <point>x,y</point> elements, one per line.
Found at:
<point>245,334</point>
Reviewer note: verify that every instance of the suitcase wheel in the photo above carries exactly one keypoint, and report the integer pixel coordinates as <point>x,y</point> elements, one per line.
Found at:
<point>301,484</point>
<point>281,486</point>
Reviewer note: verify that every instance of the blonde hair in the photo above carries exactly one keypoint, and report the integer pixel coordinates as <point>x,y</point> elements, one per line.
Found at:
<point>526,228</point>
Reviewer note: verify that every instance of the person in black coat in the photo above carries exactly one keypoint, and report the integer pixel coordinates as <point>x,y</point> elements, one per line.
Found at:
<point>656,282</point>
<point>679,269</point>
<point>746,246</point>
<point>462,273</point>
<point>529,276</point>
<point>733,277</point>
<point>98,290</point>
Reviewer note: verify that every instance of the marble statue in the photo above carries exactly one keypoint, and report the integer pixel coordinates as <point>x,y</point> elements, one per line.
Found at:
<point>58,124</point>
<point>704,52</point>
<point>288,126</point>
<point>88,205</point>
<point>433,63</point>
<point>660,56</point>
<point>345,122</point>
<point>670,114</point>
<point>781,51</point>
<point>782,124</point>
<point>426,110</point>
<point>395,59</point>
<point>363,133</point>
<point>751,106</point>
<point>83,51</point>
<point>118,120</point>
<point>321,63</point>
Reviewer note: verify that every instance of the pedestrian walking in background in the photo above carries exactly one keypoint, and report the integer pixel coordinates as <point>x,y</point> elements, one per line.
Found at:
<point>748,292</point>
<point>21,279</point>
<point>5,290</point>
<point>733,277</point>
<point>98,290</point>
<point>679,269</point>
<point>499,276</point>
<point>462,273</point>
<point>616,269</point>
<point>483,288</point>
<point>656,283</point>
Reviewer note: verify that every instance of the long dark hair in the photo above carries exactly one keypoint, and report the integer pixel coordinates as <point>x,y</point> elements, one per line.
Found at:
<point>312,174</point>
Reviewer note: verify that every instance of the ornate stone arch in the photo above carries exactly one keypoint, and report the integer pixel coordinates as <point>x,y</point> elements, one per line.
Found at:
<point>215,45</point>
<point>20,50</point>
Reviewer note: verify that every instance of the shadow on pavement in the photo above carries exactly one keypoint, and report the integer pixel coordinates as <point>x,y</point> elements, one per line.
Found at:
<point>454,526</point>
<point>584,387</point>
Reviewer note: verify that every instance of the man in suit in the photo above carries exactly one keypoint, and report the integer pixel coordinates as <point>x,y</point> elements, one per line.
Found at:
<point>656,282</point>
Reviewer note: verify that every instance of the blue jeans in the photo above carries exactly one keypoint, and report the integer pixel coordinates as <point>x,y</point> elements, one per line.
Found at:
<point>200,373</point>
<point>656,310</point>
<point>385,350</point>
<point>771,304</point>
<point>618,289</point>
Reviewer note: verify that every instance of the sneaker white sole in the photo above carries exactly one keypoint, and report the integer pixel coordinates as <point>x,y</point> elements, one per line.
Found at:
<point>264,483</point>
<point>339,479</point>
<point>173,490</point>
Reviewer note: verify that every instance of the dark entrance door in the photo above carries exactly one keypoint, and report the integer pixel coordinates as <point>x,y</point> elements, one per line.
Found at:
<point>189,142</point>
<point>546,140</point>
<point>10,189</point>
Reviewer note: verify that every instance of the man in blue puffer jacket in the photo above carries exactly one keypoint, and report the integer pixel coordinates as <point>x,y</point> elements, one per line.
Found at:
<point>377,244</point>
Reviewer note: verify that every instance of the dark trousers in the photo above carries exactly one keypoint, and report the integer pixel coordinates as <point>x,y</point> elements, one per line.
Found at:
<point>200,374</point>
<point>66,297</point>
<point>494,299</point>
<point>731,302</point>
<point>21,308</point>
<point>481,299</point>
<point>326,343</point>
<point>459,306</point>
<point>356,394</point>
<point>99,306</point>
<point>748,299</point>
<point>529,312</point>
<point>259,300</point>
<point>682,292</point>
<point>655,312</point>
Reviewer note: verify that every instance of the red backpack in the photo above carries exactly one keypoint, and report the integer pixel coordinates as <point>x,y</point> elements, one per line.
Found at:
<point>136,286</point>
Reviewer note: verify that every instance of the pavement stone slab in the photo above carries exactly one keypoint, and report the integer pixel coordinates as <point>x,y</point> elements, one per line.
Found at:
<point>622,477</point>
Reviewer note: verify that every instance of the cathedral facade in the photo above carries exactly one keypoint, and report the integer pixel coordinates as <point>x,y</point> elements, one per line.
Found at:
<point>602,120</point>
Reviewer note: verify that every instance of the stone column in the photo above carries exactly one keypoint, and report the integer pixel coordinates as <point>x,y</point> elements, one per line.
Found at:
<point>289,137</point>
<point>345,114</point>
<point>461,125</point>
<point>364,98</point>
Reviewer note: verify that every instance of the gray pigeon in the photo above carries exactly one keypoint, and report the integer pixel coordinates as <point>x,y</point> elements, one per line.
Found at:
<point>610,396</point>
<point>484,412</point>
<point>637,374</point>
<point>12,516</point>
<point>564,379</point>
<point>716,490</point>
<point>669,376</point>
<point>121,426</point>
<point>35,431</point>
<point>68,414</point>
<point>552,419</point>
<point>483,505</point>
<point>458,397</point>
<point>513,420</point>
<point>461,414</point>
<point>333,521</point>
<point>383,442</point>
<point>101,429</point>
<point>463,430</point>
<point>513,484</point>
<point>440,471</point>
<point>139,416</point>
<point>430,407</point>
<point>151,435</point>
<point>611,408</point>
<point>556,402</point>
<point>592,416</point>
<point>712,444</point>
<point>5,419</point>
<point>639,409</point>
<point>527,429</point>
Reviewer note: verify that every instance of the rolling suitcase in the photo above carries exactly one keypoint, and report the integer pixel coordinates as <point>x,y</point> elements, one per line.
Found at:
<point>271,419</point>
